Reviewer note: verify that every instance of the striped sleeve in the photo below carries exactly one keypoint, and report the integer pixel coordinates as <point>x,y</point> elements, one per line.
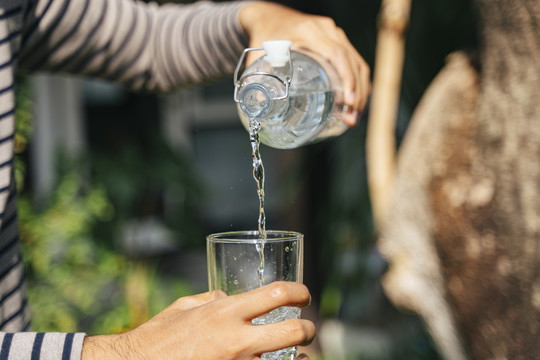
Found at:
<point>14,312</point>
<point>16,340</point>
<point>40,346</point>
<point>142,45</point>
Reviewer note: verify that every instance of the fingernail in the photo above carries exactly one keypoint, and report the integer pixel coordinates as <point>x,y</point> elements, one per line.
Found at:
<point>350,98</point>
<point>351,118</point>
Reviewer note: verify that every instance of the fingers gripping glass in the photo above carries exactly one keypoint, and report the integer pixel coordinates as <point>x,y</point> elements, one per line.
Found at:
<point>241,261</point>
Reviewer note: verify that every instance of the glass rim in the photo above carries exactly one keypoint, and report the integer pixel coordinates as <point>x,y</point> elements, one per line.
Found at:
<point>253,236</point>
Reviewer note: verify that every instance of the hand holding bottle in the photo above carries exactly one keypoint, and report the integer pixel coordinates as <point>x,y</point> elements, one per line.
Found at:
<point>265,21</point>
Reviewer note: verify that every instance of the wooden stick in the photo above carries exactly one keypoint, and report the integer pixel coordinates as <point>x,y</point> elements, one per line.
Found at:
<point>380,142</point>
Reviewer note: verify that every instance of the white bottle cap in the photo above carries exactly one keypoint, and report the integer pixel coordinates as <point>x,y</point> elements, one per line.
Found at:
<point>277,52</point>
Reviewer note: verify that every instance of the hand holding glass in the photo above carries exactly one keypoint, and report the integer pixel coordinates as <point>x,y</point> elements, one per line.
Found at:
<point>241,261</point>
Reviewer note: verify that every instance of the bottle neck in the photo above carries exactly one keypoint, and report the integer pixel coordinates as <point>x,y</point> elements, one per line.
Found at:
<point>254,100</point>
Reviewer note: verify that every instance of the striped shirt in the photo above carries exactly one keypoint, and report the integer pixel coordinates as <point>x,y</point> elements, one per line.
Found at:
<point>145,47</point>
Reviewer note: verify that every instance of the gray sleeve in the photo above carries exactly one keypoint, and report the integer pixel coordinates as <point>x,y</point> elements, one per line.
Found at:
<point>145,46</point>
<point>41,346</point>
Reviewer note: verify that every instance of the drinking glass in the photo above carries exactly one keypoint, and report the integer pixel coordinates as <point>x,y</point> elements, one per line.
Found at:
<point>241,261</point>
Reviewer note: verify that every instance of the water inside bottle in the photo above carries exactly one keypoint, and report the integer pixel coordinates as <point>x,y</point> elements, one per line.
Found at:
<point>307,118</point>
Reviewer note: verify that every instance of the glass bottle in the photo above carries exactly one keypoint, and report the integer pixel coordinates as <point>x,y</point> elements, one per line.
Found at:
<point>295,96</point>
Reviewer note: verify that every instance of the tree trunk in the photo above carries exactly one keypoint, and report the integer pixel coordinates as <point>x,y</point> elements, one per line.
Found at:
<point>462,236</point>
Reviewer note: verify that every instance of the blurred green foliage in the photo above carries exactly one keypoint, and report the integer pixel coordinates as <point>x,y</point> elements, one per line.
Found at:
<point>70,277</point>
<point>75,281</point>
<point>150,180</point>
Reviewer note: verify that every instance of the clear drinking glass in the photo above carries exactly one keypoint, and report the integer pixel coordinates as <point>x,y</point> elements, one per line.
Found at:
<point>240,261</point>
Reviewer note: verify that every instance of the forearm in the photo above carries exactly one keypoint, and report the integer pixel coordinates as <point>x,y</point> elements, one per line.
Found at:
<point>144,46</point>
<point>110,347</point>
